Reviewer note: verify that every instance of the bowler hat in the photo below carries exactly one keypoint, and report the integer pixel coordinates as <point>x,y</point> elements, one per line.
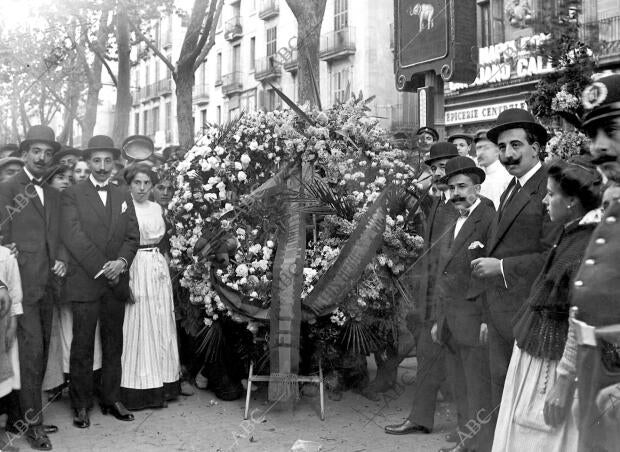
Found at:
<point>428,130</point>
<point>517,118</point>
<point>10,147</point>
<point>67,150</point>
<point>462,165</point>
<point>441,150</point>
<point>601,100</point>
<point>8,160</point>
<point>137,147</point>
<point>481,135</point>
<point>40,134</point>
<point>101,143</point>
<point>464,136</point>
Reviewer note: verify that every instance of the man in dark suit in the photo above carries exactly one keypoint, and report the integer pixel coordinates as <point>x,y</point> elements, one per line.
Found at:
<point>29,216</point>
<point>460,322</point>
<point>441,215</point>
<point>521,235</point>
<point>100,231</point>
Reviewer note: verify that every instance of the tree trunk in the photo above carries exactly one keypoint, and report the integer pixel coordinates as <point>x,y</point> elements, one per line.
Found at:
<point>123,95</point>
<point>309,15</point>
<point>184,80</point>
<point>92,101</point>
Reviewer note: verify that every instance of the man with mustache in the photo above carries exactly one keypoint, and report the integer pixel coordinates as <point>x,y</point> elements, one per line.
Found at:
<point>460,323</point>
<point>431,373</point>
<point>520,235</point>
<point>100,230</point>
<point>30,218</point>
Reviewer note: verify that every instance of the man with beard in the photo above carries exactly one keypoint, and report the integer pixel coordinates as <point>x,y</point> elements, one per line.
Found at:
<point>100,231</point>
<point>30,218</point>
<point>431,373</point>
<point>520,235</point>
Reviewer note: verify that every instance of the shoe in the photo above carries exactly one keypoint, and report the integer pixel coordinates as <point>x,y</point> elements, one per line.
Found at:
<point>47,429</point>
<point>80,418</point>
<point>118,410</point>
<point>201,381</point>
<point>453,437</point>
<point>38,439</point>
<point>460,447</point>
<point>406,428</point>
<point>186,388</point>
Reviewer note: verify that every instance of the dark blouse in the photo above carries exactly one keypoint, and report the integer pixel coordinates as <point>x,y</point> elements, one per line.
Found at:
<point>542,322</point>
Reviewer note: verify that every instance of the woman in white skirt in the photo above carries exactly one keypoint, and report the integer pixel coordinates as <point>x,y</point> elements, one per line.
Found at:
<point>535,374</point>
<point>150,361</point>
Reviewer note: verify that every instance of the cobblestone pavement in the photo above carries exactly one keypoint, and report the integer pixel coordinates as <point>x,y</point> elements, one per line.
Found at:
<point>201,423</point>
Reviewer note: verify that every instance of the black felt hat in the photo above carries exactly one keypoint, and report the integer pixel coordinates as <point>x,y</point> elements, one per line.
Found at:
<point>40,134</point>
<point>464,136</point>
<point>101,143</point>
<point>441,150</point>
<point>67,150</point>
<point>517,118</point>
<point>462,165</point>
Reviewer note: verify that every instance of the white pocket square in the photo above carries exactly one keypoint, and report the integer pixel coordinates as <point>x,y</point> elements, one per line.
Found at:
<point>123,207</point>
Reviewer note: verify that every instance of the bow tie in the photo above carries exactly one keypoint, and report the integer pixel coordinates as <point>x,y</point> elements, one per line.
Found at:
<point>38,182</point>
<point>101,187</point>
<point>464,213</point>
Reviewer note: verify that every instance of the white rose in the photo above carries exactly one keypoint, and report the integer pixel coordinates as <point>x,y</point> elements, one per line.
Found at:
<point>245,160</point>
<point>238,166</point>
<point>242,176</point>
<point>189,206</point>
<point>270,243</point>
<point>242,270</point>
<point>253,145</point>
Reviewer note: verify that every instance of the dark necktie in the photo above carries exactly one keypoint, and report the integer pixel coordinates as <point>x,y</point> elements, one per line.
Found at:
<point>508,200</point>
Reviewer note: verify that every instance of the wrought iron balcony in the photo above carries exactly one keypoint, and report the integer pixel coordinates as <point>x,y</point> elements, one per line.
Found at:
<point>233,29</point>
<point>290,65</point>
<point>164,86</point>
<point>231,83</point>
<point>603,36</point>
<point>268,9</point>
<point>337,44</point>
<point>267,68</point>
<point>200,93</point>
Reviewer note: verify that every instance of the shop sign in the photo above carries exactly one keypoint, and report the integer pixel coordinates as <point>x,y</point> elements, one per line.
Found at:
<point>509,61</point>
<point>480,113</point>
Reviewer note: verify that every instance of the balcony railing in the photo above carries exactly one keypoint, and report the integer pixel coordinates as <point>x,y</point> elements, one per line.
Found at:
<point>337,44</point>
<point>231,83</point>
<point>233,29</point>
<point>164,86</point>
<point>201,93</point>
<point>290,64</point>
<point>266,68</point>
<point>268,9</point>
<point>603,35</point>
<point>135,95</point>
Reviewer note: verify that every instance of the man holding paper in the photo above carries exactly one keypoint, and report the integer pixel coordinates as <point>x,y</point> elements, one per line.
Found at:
<point>100,231</point>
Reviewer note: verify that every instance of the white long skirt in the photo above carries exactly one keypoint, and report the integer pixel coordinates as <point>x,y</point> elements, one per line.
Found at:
<point>150,350</point>
<point>521,425</point>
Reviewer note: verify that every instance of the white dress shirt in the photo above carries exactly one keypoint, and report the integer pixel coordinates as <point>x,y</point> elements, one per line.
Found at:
<point>38,188</point>
<point>462,219</point>
<point>102,194</point>
<point>496,182</point>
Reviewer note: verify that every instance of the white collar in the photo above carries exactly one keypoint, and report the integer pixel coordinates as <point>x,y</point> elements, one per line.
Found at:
<point>494,167</point>
<point>527,176</point>
<point>96,183</point>
<point>30,176</point>
<point>471,208</point>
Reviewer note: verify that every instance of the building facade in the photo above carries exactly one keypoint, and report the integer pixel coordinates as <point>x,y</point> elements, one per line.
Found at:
<point>255,46</point>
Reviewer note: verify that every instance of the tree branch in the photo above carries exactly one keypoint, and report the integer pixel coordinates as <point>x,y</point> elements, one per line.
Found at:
<point>192,36</point>
<point>151,45</point>
<point>212,29</point>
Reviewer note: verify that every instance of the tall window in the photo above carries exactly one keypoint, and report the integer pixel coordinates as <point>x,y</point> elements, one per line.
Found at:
<point>219,114</point>
<point>157,78</point>
<point>155,119</point>
<point>339,84</point>
<point>136,123</point>
<point>168,120</point>
<point>218,68</point>
<point>252,53</point>
<point>341,14</point>
<point>484,11</point>
<point>203,119</point>
<point>272,38</point>
<point>157,34</point>
<point>148,75</point>
<point>236,58</point>
<point>145,122</point>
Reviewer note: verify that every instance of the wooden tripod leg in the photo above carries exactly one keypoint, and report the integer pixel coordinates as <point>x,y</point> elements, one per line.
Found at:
<point>321,391</point>
<point>249,391</point>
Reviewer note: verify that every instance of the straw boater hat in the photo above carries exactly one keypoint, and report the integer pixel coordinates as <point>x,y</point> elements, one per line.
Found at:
<point>441,150</point>
<point>101,143</point>
<point>137,148</point>
<point>40,134</point>
<point>9,160</point>
<point>517,118</point>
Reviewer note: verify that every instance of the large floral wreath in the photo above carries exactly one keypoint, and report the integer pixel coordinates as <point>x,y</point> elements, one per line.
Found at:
<point>353,162</point>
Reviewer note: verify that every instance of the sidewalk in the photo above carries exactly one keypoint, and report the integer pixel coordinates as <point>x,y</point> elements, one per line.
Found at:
<point>203,423</point>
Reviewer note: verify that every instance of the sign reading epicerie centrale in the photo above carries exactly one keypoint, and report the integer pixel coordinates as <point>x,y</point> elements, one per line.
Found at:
<point>481,113</point>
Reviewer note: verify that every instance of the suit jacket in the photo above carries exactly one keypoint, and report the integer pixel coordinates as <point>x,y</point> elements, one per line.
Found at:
<point>94,234</point>
<point>521,236</point>
<point>458,316</point>
<point>34,228</point>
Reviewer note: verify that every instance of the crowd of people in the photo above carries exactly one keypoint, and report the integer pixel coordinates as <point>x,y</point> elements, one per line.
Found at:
<point>512,244</point>
<point>87,297</point>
